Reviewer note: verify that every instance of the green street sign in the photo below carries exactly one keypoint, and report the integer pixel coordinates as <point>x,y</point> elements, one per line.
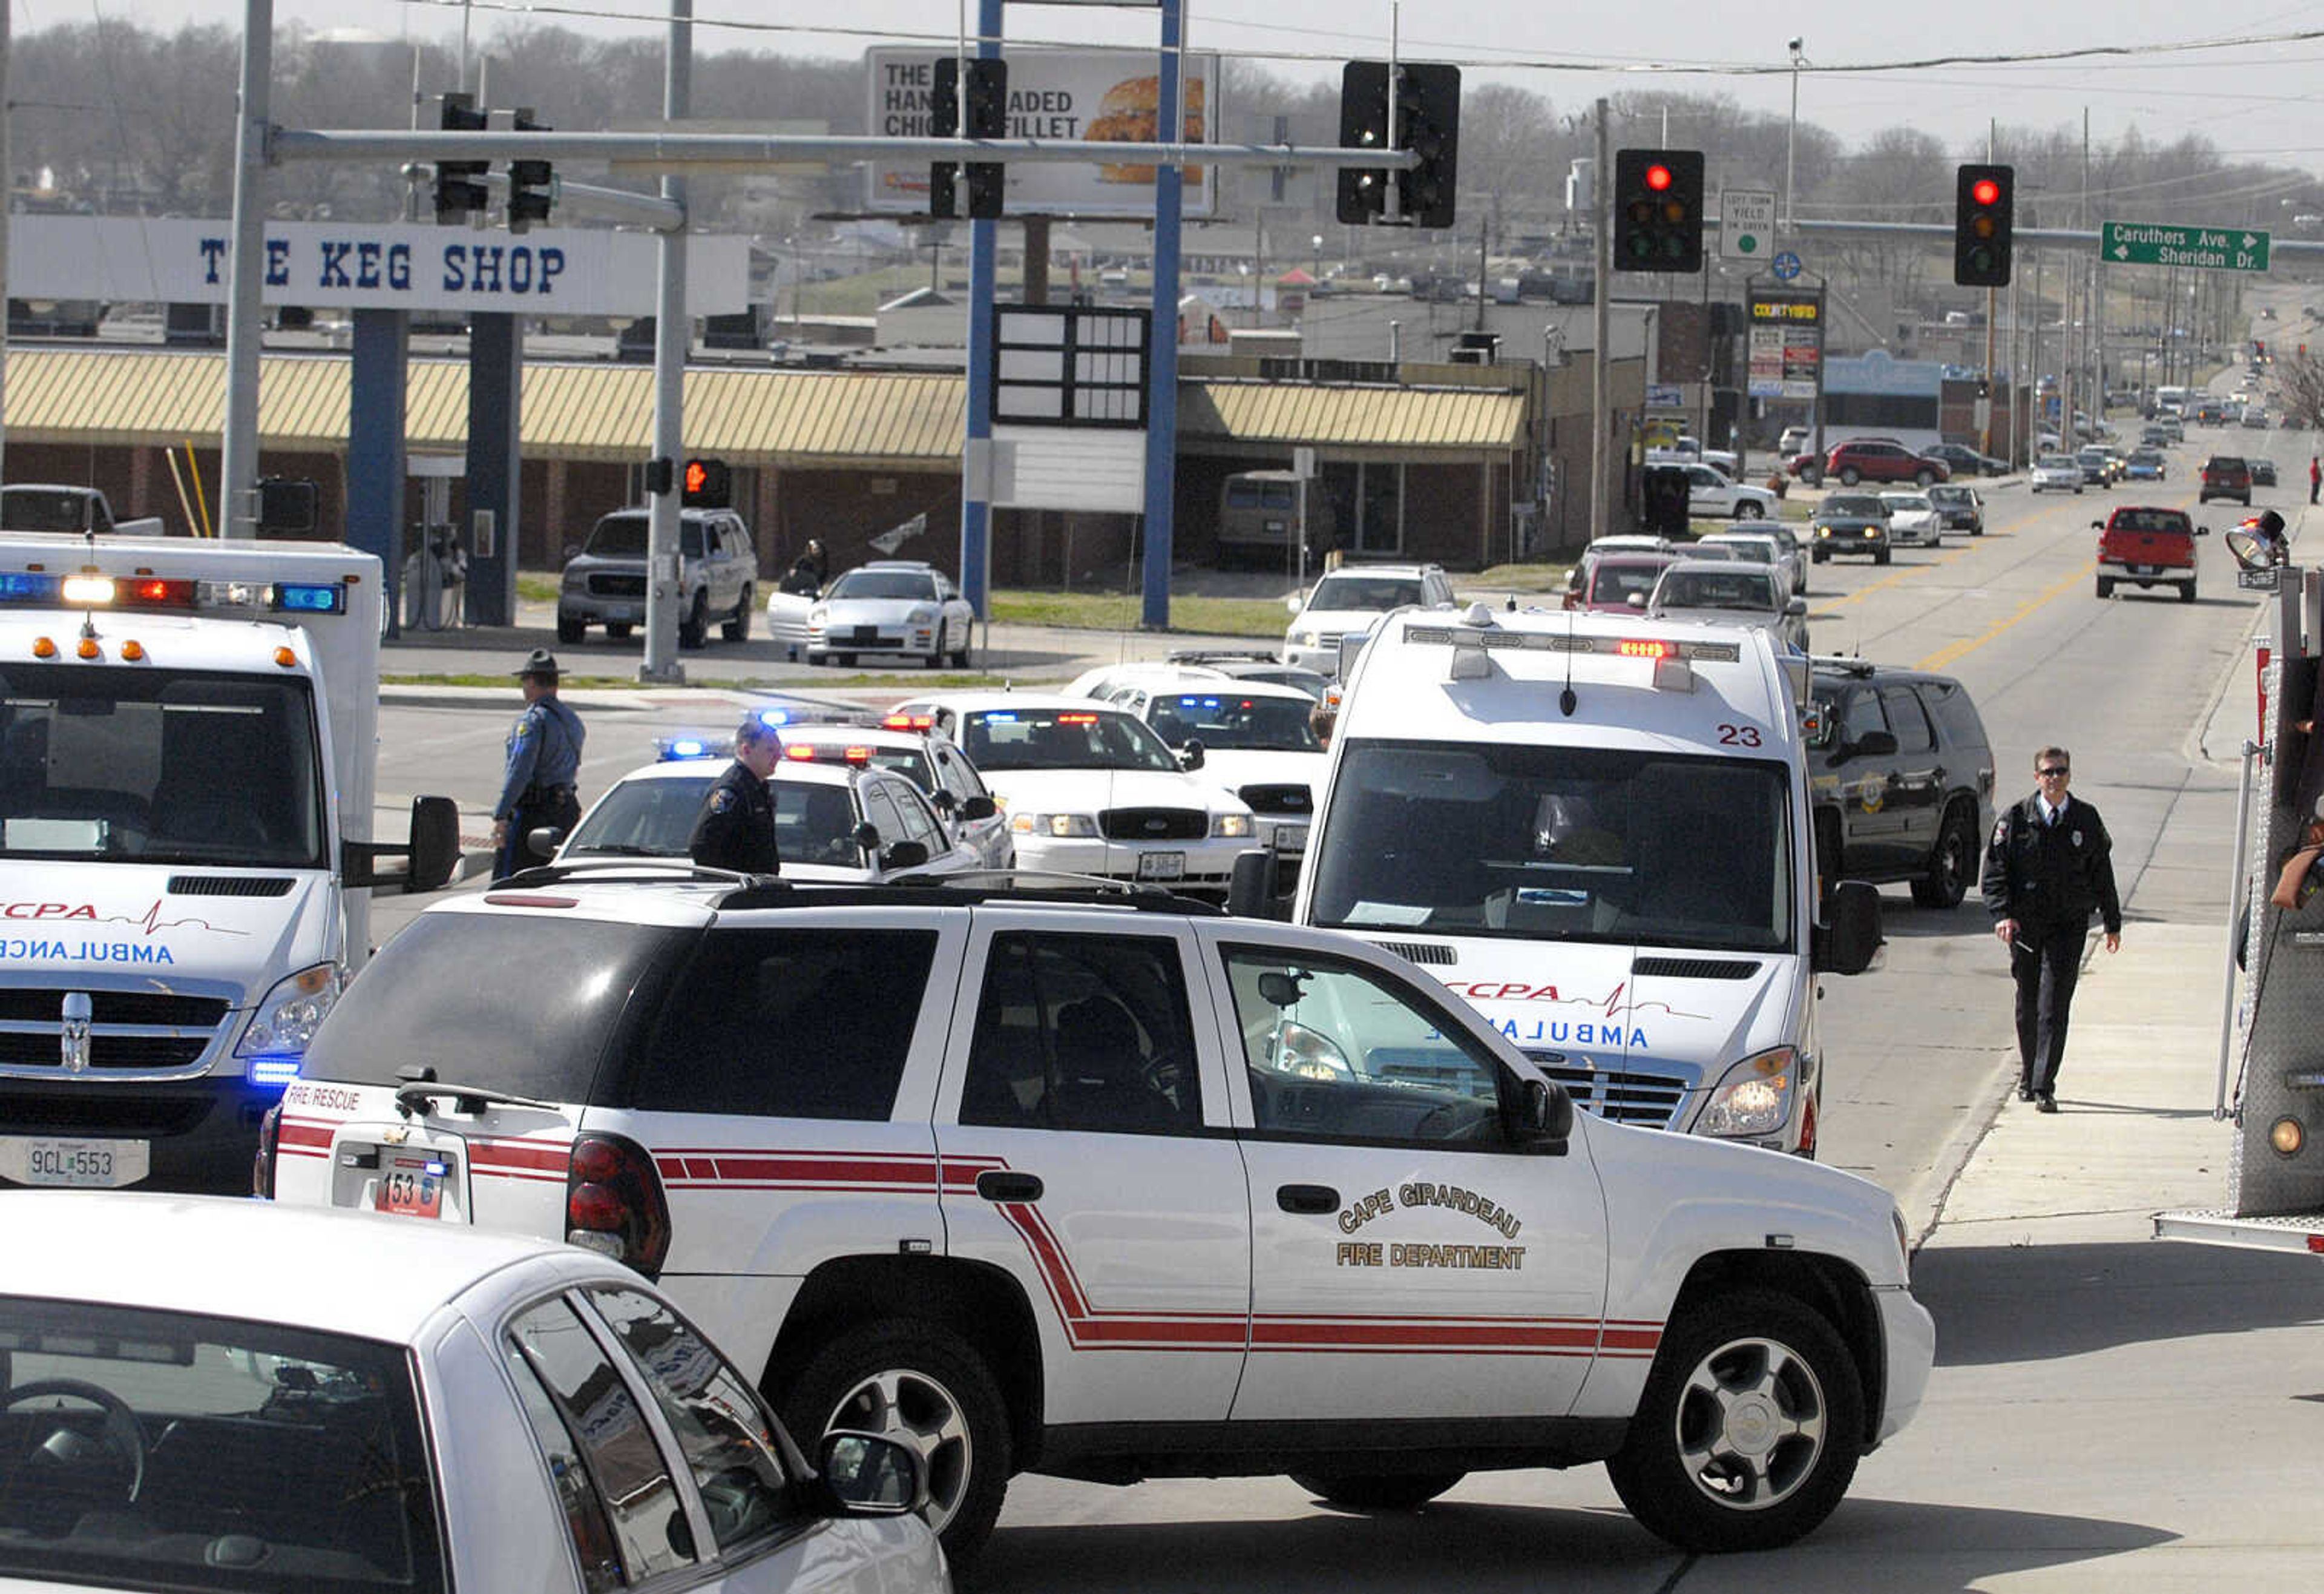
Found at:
<point>2205,248</point>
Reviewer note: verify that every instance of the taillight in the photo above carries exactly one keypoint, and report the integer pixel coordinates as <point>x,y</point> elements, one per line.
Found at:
<point>262,1166</point>
<point>613,1202</point>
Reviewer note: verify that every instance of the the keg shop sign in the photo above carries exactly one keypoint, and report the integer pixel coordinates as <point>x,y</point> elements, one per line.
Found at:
<point>1103,94</point>
<point>1786,345</point>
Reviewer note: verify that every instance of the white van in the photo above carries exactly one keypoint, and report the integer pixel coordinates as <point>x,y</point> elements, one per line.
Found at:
<point>1595,829</point>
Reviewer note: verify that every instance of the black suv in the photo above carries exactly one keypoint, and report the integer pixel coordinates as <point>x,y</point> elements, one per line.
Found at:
<point>2226,476</point>
<point>1900,775</point>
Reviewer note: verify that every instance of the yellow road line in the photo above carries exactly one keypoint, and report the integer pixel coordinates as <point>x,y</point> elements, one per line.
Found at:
<point>1967,646</point>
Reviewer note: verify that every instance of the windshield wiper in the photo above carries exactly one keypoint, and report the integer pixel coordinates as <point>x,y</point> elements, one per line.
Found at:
<point>418,1092</point>
<point>623,849</point>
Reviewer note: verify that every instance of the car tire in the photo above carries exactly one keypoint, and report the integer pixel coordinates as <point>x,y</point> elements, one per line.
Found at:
<point>1812,476</point>
<point>1753,1360</point>
<point>921,1384</point>
<point>844,661</point>
<point>2106,588</point>
<point>1881,557</point>
<point>1817,557</point>
<point>1951,864</point>
<point>1923,478</point>
<point>1848,477</point>
<point>2186,592</point>
<point>692,630</point>
<point>1748,510</point>
<point>960,656</point>
<point>1977,529</point>
<point>737,625</point>
<point>570,630</point>
<point>1378,1491</point>
<point>617,631</point>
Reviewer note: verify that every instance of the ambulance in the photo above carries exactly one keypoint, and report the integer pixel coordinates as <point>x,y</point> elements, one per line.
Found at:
<point>1594,829</point>
<point>188,736</point>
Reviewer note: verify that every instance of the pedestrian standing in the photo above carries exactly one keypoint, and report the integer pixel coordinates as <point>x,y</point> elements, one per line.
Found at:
<point>2050,866</point>
<point>2315,476</point>
<point>737,827</point>
<point>544,756</point>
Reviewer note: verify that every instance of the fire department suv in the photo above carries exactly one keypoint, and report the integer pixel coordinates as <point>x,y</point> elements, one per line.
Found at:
<point>1109,1185</point>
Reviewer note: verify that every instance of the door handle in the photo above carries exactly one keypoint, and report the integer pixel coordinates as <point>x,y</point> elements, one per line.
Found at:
<point>995,1185</point>
<point>1307,1198</point>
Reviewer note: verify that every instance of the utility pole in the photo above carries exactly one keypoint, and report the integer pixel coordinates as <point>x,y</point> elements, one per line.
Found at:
<point>660,664</point>
<point>1985,420</point>
<point>245,310</point>
<point>1601,392</point>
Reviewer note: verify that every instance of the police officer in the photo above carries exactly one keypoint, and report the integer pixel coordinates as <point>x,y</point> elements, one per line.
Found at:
<point>544,754</point>
<point>2049,867</point>
<point>737,827</point>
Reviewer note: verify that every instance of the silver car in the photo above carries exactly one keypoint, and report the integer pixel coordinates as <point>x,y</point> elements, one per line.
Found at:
<point>891,606</point>
<point>1731,594</point>
<point>604,580</point>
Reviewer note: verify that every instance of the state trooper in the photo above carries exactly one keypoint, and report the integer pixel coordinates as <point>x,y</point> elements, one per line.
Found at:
<point>544,755</point>
<point>737,827</point>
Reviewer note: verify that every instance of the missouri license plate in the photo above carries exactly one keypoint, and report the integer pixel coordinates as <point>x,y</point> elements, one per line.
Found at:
<point>1161,866</point>
<point>94,1164</point>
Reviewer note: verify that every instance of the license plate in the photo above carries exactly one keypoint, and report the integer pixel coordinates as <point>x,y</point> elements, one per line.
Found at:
<point>622,611</point>
<point>2256,581</point>
<point>89,1164</point>
<point>1291,838</point>
<point>412,1189</point>
<point>2145,569</point>
<point>1161,866</point>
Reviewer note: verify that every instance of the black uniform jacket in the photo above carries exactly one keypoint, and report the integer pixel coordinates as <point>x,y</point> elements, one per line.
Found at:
<point>737,827</point>
<point>2051,877</point>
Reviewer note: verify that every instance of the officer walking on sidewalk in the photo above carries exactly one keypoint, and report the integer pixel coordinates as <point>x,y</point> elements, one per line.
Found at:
<point>2049,867</point>
<point>737,827</point>
<point>544,755</point>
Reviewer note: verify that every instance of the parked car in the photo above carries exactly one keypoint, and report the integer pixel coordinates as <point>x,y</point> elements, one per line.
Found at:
<point>210,1394</point>
<point>1914,521</point>
<point>1849,523</point>
<point>910,747</point>
<point>1710,496</point>
<point>604,578</point>
<point>1963,509</point>
<point>1729,593</point>
<point>2226,476</point>
<point>1252,664</point>
<point>1901,777</point>
<point>891,606</point>
<point>1875,460</point>
<point>1794,441</point>
<point>2147,546</point>
<point>1964,460</point>
<point>2056,473</point>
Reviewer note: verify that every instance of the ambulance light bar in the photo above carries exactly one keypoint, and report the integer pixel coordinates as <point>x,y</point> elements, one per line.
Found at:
<point>90,589</point>
<point>1559,642</point>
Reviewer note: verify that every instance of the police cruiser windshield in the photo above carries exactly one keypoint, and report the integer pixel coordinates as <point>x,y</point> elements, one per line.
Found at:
<point>1559,843</point>
<point>1064,738</point>
<point>150,765</point>
<point>654,818</point>
<point>1221,720</point>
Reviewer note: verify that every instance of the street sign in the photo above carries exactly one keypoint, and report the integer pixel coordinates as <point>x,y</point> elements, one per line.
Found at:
<point>1788,265</point>
<point>1746,223</point>
<point>2205,248</point>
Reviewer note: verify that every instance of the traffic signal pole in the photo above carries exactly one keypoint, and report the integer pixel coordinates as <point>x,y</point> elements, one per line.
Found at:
<point>1601,413</point>
<point>671,329</point>
<point>246,306</point>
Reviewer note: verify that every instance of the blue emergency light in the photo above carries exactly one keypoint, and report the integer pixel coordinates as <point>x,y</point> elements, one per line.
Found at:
<point>775,719</point>
<point>23,587</point>
<point>308,598</point>
<point>685,748</point>
<point>273,1070</point>
<point>1001,719</point>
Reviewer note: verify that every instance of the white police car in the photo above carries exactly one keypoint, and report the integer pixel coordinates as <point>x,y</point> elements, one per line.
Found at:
<point>908,746</point>
<point>1252,737</point>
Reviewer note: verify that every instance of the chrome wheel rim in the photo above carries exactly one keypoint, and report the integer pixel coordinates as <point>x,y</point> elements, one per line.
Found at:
<point>1752,1423</point>
<point>917,1410</point>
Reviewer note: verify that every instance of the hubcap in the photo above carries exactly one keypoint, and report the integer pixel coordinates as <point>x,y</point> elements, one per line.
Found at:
<point>1751,1424</point>
<point>916,1409</point>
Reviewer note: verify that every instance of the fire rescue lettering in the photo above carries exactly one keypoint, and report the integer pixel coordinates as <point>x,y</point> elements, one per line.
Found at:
<point>1376,1253</point>
<point>1421,1193</point>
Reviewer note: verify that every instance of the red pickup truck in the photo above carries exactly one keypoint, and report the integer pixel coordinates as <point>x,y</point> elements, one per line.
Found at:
<point>2149,546</point>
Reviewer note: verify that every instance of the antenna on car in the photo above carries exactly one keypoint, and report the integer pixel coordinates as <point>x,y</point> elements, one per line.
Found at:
<point>1566,702</point>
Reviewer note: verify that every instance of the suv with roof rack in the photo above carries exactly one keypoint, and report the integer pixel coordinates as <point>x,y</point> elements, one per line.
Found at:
<point>1102,1183</point>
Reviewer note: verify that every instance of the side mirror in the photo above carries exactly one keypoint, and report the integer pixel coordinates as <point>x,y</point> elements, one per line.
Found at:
<point>1849,937</point>
<point>943,801</point>
<point>430,857</point>
<point>541,841</point>
<point>1295,603</point>
<point>905,855</point>
<point>1636,600</point>
<point>2098,526</point>
<point>1190,755</point>
<point>1250,894</point>
<point>1874,744</point>
<point>1544,1114</point>
<point>870,1476</point>
<point>978,808</point>
<point>867,837</point>
<point>1797,606</point>
<point>2202,531</point>
<point>572,551</point>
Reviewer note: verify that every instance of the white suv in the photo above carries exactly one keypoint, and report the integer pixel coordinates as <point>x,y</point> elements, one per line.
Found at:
<point>1108,1185</point>
<point>1349,601</point>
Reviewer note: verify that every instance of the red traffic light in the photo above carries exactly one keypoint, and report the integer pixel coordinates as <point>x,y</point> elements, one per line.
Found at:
<point>705,484</point>
<point>1984,191</point>
<point>1658,177</point>
<point>697,476</point>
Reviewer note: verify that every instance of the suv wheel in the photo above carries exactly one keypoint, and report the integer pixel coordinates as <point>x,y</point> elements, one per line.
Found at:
<point>571,629</point>
<point>1848,477</point>
<point>617,630</point>
<point>1377,1491</point>
<point>1749,1429</point>
<point>923,1385</point>
<point>737,625</point>
<point>2186,592</point>
<point>691,630</point>
<point>1748,510</point>
<point>1947,881</point>
<point>1923,477</point>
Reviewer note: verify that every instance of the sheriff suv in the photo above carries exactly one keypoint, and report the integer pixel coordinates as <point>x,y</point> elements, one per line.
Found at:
<point>1900,778</point>
<point>1103,1184</point>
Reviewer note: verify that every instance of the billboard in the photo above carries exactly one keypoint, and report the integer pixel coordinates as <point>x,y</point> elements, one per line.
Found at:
<point>1102,95</point>
<point>1786,344</point>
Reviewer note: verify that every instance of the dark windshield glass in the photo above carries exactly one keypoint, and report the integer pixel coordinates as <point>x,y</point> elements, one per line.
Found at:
<point>1364,592</point>
<point>912,585</point>
<point>524,1002</point>
<point>1558,843</point>
<point>1063,739</point>
<point>1841,504</point>
<point>1223,719</point>
<point>1716,589</point>
<point>274,1458</point>
<point>1619,583</point>
<point>618,536</point>
<point>31,509</point>
<point>654,818</point>
<point>159,767</point>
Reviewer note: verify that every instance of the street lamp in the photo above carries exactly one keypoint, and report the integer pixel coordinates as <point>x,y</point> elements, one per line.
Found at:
<point>1792,134</point>
<point>1318,241</point>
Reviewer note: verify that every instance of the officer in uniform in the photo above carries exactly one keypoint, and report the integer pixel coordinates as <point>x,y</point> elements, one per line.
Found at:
<point>2049,867</point>
<point>737,827</point>
<point>544,754</point>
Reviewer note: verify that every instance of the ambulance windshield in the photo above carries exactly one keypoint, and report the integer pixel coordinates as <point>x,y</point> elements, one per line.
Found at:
<point>145,765</point>
<point>1559,844</point>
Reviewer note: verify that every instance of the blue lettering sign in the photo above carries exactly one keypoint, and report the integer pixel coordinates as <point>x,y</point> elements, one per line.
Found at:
<point>213,251</point>
<point>278,263</point>
<point>552,265</point>
<point>485,267</point>
<point>455,258</point>
<point>333,273</point>
<point>399,266</point>
<point>367,265</point>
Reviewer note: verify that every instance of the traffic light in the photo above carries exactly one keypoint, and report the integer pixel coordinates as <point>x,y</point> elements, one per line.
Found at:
<point>988,118</point>
<point>533,185</point>
<point>658,476</point>
<point>1658,210</point>
<point>460,190</point>
<point>707,484</point>
<point>1428,123</point>
<point>1985,205</point>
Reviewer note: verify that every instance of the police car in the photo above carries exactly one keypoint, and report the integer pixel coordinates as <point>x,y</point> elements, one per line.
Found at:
<point>907,747</point>
<point>833,821</point>
<point>1103,1184</point>
<point>1089,790</point>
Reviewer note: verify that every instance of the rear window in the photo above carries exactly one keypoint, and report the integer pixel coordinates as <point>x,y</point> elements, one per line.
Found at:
<point>1948,703</point>
<point>523,1003</point>
<point>275,1458</point>
<point>2152,520</point>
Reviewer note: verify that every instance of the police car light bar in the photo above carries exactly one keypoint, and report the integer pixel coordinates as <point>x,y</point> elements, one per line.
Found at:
<point>91,589</point>
<point>673,749</point>
<point>909,722</point>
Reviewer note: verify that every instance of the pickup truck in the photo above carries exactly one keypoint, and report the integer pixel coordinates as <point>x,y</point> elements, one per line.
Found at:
<point>45,506</point>
<point>2149,546</point>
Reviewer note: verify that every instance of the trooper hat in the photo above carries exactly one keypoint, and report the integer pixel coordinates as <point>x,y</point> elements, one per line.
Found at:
<point>541,663</point>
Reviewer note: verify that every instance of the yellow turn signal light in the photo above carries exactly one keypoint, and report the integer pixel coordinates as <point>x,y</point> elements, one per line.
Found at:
<point>88,648</point>
<point>285,657</point>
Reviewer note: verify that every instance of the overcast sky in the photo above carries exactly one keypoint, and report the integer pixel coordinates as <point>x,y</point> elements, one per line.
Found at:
<point>2256,101</point>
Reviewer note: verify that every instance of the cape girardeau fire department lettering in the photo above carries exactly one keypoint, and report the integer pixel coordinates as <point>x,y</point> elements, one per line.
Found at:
<point>1413,1254</point>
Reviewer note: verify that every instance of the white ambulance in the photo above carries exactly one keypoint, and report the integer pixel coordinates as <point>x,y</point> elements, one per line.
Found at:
<point>188,734</point>
<point>1595,830</point>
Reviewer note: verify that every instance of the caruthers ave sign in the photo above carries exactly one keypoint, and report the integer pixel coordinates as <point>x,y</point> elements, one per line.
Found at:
<point>2206,248</point>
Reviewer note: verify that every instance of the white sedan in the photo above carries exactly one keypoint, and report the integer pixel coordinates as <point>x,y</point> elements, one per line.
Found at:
<point>1913,520</point>
<point>891,606</point>
<point>2056,473</point>
<point>229,1394</point>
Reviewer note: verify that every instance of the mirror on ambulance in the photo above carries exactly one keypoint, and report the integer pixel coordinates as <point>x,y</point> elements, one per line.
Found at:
<point>1295,602</point>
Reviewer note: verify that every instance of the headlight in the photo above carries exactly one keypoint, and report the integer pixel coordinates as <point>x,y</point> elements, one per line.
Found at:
<point>1824,531</point>
<point>1053,824</point>
<point>1301,1052</point>
<point>1755,1097</point>
<point>276,1041</point>
<point>1305,639</point>
<point>1871,530</point>
<point>1231,824</point>
<point>920,616</point>
<point>817,615</point>
<point>575,580</point>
